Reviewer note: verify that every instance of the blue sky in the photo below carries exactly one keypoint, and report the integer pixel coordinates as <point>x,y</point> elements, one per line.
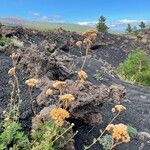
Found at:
<point>77,11</point>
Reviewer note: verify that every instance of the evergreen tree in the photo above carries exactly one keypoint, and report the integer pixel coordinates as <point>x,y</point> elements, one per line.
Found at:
<point>135,30</point>
<point>101,26</point>
<point>129,29</point>
<point>142,25</point>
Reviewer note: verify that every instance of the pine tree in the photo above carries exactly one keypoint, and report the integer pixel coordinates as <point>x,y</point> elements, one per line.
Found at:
<point>129,29</point>
<point>142,25</point>
<point>135,30</point>
<point>101,26</point>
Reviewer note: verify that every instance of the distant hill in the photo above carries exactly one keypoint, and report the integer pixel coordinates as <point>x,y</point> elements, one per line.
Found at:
<point>50,26</point>
<point>44,26</point>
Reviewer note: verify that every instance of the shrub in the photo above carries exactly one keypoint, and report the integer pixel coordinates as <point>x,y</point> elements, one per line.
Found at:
<point>4,41</point>
<point>136,68</point>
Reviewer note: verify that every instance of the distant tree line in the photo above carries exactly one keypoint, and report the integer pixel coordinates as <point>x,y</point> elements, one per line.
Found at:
<point>134,29</point>
<point>102,27</point>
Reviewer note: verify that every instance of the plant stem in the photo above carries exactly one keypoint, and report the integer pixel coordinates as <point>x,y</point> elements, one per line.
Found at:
<point>86,148</point>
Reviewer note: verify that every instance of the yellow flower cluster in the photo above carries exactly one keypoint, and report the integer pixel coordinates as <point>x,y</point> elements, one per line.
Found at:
<point>79,43</point>
<point>66,99</point>
<point>118,108</point>
<point>49,92</point>
<point>12,71</point>
<point>59,84</point>
<point>87,42</point>
<point>59,115</point>
<point>119,132</point>
<point>31,82</point>
<point>14,56</point>
<point>82,75</point>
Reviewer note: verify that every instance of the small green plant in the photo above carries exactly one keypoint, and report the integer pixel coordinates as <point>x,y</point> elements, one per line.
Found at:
<point>11,135</point>
<point>136,68</point>
<point>49,136</point>
<point>4,41</point>
<point>16,43</point>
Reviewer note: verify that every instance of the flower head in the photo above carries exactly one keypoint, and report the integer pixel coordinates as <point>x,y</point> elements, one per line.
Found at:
<point>79,43</point>
<point>120,108</point>
<point>113,110</point>
<point>87,42</point>
<point>119,132</point>
<point>82,75</point>
<point>110,127</point>
<point>32,82</point>
<point>12,71</point>
<point>66,99</point>
<point>59,84</point>
<point>59,115</point>
<point>49,92</point>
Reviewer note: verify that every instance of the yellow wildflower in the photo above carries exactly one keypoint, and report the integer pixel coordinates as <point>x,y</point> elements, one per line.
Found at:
<point>87,41</point>
<point>49,92</point>
<point>66,99</point>
<point>120,108</point>
<point>59,115</point>
<point>12,71</point>
<point>110,127</point>
<point>79,43</point>
<point>59,84</point>
<point>119,132</point>
<point>82,75</point>
<point>31,82</point>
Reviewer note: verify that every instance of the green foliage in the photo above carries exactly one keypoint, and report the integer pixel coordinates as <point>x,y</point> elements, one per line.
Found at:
<point>49,137</point>
<point>142,25</point>
<point>101,26</point>
<point>136,68</point>
<point>12,137</point>
<point>132,131</point>
<point>4,41</point>
<point>106,141</point>
<point>16,43</point>
<point>129,28</point>
<point>135,31</point>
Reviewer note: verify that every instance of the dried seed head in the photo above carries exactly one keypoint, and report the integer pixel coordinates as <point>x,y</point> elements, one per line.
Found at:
<point>12,71</point>
<point>59,84</point>
<point>32,82</point>
<point>49,92</point>
<point>82,75</point>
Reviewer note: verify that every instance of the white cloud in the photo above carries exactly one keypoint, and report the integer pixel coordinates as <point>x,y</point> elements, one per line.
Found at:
<point>44,18</point>
<point>35,14</point>
<point>87,23</point>
<point>126,21</point>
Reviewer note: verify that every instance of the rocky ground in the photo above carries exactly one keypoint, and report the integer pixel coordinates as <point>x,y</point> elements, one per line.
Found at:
<point>54,55</point>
